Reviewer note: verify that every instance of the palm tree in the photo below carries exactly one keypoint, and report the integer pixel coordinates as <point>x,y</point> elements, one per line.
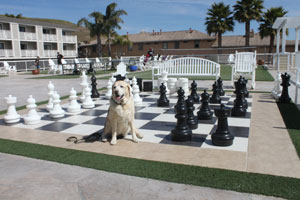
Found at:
<point>112,21</point>
<point>268,19</point>
<point>121,40</point>
<point>245,11</point>
<point>96,28</point>
<point>219,20</point>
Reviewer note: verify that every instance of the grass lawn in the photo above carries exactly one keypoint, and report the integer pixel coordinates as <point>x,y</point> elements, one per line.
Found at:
<point>71,76</point>
<point>261,75</point>
<point>30,73</point>
<point>1,76</point>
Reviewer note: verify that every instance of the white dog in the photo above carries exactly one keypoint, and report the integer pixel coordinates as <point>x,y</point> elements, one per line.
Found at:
<point>120,117</point>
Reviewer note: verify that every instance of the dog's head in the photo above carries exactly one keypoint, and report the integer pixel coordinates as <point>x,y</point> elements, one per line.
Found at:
<point>121,91</point>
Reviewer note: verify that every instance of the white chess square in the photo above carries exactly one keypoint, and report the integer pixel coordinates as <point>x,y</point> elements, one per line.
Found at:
<point>239,144</point>
<point>153,110</point>
<point>33,126</point>
<point>78,119</point>
<point>83,129</point>
<point>165,118</point>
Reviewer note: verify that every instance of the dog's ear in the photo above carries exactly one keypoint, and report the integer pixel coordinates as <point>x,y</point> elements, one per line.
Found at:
<point>128,90</point>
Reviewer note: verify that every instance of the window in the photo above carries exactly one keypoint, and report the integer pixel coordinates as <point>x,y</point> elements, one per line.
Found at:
<point>22,29</point>
<point>164,45</point>
<point>64,47</point>
<point>46,31</point>
<point>185,41</point>
<point>1,45</point>
<point>140,46</point>
<point>47,47</point>
<point>63,32</point>
<point>196,44</point>
<point>176,45</point>
<point>23,46</point>
<point>129,47</point>
<point>1,26</point>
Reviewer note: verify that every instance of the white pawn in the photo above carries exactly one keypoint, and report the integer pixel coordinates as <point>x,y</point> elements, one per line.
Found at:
<point>84,83</point>
<point>113,79</point>
<point>136,90</point>
<point>164,76</point>
<point>50,93</point>
<point>88,102</point>
<point>74,106</point>
<point>32,116</point>
<point>276,92</point>
<point>109,89</point>
<point>11,116</point>
<point>57,111</point>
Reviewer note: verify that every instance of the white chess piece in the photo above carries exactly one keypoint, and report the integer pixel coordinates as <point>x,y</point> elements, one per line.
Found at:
<point>57,111</point>
<point>32,116</point>
<point>113,79</point>
<point>172,85</point>
<point>109,89</point>
<point>184,84</point>
<point>84,84</point>
<point>88,102</point>
<point>50,93</point>
<point>164,78</point>
<point>136,90</point>
<point>276,92</point>
<point>11,116</point>
<point>74,106</point>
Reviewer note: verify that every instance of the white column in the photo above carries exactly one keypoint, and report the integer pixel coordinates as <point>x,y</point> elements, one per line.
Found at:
<point>277,40</point>
<point>297,39</point>
<point>283,40</point>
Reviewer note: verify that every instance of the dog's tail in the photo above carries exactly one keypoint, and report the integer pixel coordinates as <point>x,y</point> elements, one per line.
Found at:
<point>88,138</point>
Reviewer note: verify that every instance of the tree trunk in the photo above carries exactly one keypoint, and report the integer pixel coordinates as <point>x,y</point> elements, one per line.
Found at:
<point>272,37</point>
<point>99,46</point>
<point>247,29</point>
<point>219,39</point>
<point>109,48</point>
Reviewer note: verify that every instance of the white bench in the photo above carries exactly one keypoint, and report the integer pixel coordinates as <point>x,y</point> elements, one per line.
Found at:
<point>187,66</point>
<point>244,63</point>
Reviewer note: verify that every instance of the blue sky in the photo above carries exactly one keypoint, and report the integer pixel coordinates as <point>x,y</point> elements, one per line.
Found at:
<point>143,15</point>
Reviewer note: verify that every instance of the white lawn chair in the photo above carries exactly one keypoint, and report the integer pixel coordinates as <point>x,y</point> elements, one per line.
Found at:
<point>52,67</point>
<point>9,68</point>
<point>244,63</point>
<point>66,66</point>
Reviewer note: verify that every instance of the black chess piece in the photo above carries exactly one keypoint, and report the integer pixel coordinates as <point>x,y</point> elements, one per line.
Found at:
<point>182,132</point>
<point>285,98</point>
<point>194,94</point>
<point>95,93</point>
<point>120,78</point>
<point>239,108</point>
<point>91,69</point>
<point>220,84</point>
<point>163,100</point>
<point>205,112</point>
<point>192,120</point>
<point>222,136</point>
<point>244,88</point>
<point>215,98</point>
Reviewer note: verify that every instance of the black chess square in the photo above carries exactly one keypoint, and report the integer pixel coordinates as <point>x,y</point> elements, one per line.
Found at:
<point>159,125</point>
<point>57,126</point>
<point>145,116</point>
<point>197,140</point>
<point>48,118</point>
<point>94,112</point>
<point>97,121</point>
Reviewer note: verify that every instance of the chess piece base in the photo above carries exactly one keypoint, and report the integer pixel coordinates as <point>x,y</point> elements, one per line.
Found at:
<point>206,115</point>
<point>222,139</point>
<point>163,103</point>
<point>181,134</point>
<point>238,112</point>
<point>11,119</point>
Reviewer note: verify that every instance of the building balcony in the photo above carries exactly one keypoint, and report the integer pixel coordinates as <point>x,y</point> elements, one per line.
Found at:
<point>5,34</point>
<point>69,38</point>
<point>6,53</point>
<point>27,35</point>
<point>50,53</point>
<point>69,53</point>
<point>49,37</point>
<point>29,53</point>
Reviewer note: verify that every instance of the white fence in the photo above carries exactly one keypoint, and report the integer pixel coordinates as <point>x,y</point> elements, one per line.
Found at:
<point>29,53</point>
<point>6,53</point>
<point>69,38</point>
<point>27,36</point>
<point>5,34</point>
<point>49,37</point>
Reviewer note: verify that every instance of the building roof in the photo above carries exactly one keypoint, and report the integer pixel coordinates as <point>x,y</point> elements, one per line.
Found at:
<point>239,41</point>
<point>38,23</point>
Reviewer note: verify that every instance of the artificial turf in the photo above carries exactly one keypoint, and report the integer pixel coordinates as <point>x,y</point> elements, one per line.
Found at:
<point>194,175</point>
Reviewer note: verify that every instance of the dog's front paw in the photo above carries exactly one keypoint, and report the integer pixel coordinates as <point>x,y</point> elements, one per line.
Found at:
<point>103,139</point>
<point>139,135</point>
<point>113,141</point>
<point>134,139</point>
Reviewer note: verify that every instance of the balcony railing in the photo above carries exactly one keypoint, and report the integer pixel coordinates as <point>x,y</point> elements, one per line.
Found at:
<point>29,53</point>
<point>5,34</point>
<point>50,53</point>
<point>69,38</point>
<point>49,37</point>
<point>69,53</point>
<point>27,36</point>
<point>6,53</point>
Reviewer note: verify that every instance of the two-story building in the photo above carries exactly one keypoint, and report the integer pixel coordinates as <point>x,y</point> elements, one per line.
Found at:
<point>27,39</point>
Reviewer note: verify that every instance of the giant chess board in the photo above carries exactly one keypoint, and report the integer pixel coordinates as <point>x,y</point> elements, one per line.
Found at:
<point>155,123</point>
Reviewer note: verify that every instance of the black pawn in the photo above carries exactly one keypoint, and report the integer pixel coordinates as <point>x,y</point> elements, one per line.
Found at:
<point>204,113</point>
<point>194,94</point>
<point>215,96</point>
<point>222,136</point>
<point>95,93</point>
<point>244,88</point>
<point>220,84</point>
<point>163,100</point>
<point>192,120</point>
<point>182,132</point>
<point>239,108</point>
<point>285,98</point>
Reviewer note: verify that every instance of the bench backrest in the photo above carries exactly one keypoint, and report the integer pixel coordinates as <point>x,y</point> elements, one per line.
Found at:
<point>189,66</point>
<point>63,61</point>
<point>245,61</point>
